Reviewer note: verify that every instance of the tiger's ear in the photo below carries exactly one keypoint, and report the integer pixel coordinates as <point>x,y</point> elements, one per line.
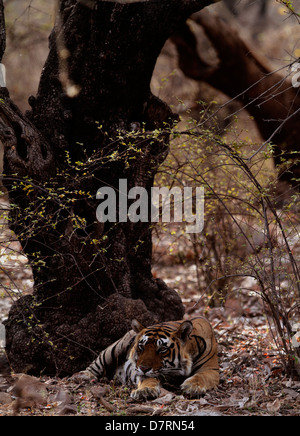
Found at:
<point>137,326</point>
<point>184,330</point>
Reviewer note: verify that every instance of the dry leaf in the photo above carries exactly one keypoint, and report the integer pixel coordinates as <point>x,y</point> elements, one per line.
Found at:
<point>99,391</point>
<point>146,410</point>
<point>5,398</point>
<point>107,405</point>
<point>274,406</point>
<point>30,392</point>
<point>166,399</point>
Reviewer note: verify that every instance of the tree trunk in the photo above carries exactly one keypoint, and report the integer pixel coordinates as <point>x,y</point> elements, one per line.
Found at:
<point>90,125</point>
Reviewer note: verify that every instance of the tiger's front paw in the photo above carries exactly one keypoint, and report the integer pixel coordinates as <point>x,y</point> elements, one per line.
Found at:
<point>148,389</point>
<point>193,388</point>
<point>145,394</point>
<point>198,384</point>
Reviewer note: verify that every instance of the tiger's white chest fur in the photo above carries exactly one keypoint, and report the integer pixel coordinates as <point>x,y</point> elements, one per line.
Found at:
<point>127,374</point>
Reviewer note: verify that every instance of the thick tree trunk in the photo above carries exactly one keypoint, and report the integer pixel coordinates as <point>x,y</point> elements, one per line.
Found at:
<point>91,279</point>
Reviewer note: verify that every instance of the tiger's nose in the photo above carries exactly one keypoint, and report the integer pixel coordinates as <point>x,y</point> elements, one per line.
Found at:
<point>145,369</point>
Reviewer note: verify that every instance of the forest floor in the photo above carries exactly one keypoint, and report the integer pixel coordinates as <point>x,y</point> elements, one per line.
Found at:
<point>253,381</point>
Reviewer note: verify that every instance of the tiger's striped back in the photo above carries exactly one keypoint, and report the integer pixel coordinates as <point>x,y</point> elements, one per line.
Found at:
<point>113,357</point>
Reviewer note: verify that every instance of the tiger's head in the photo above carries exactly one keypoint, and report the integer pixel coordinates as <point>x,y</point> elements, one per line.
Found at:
<point>160,350</point>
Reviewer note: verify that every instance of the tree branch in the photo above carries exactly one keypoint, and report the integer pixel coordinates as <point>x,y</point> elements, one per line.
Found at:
<point>242,74</point>
<point>26,152</point>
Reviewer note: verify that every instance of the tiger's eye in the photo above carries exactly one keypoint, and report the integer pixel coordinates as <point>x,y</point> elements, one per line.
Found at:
<point>163,350</point>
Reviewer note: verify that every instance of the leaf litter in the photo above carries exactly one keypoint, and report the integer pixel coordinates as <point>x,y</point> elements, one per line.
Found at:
<point>253,381</point>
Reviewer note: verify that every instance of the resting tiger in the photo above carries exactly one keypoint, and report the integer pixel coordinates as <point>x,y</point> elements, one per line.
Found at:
<point>173,352</point>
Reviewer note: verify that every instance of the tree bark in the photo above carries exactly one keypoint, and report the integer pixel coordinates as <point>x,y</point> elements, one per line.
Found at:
<point>242,74</point>
<point>90,125</point>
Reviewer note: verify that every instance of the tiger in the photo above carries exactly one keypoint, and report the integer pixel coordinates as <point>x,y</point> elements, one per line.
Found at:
<point>180,353</point>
